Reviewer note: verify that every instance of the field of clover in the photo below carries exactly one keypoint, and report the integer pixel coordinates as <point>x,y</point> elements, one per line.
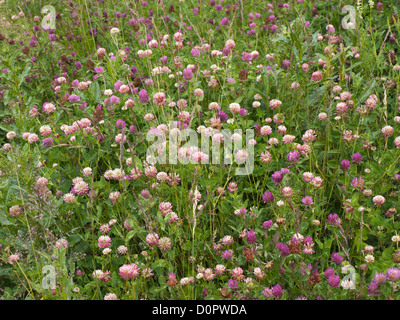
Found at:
<point>87,87</point>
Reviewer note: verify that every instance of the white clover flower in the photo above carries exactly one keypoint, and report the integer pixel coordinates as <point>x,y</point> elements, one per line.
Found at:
<point>396,238</point>
<point>369,258</point>
<point>348,284</point>
<point>114,30</point>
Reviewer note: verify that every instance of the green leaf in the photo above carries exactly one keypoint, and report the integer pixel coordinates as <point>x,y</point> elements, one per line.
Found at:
<point>320,244</point>
<point>129,236</point>
<point>161,263</point>
<point>354,199</point>
<point>4,221</point>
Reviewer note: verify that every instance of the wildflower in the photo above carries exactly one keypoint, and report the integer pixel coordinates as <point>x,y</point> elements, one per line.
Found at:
<point>87,171</point>
<point>387,131</point>
<point>227,254</point>
<point>227,240</point>
<point>232,284</point>
<point>164,243</point>
<point>13,258</point>
<point>336,258</point>
<point>379,278</point>
<point>265,157</point>
<point>110,296</point>
<point>81,188</point>
<point>268,197</point>
<point>237,273</point>
<point>33,138</point>
<point>378,200</point>
<point>114,31</point>
<point>356,158</point>
<point>307,200</point>
<point>280,203</point>
<point>293,156</point>
<point>104,241</point>
<point>333,219</point>
<point>308,248</point>
<point>47,142</point>
<point>47,107</point>
<point>369,249</point>
<point>259,274</point>
<point>330,28</point>
<point>152,239</point>
<point>187,281</point>
<point>392,274</point>
<point>69,198</point>
<point>309,136</point>
<point>285,64</point>
<point>246,56</point>
<point>373,289</point>
<point>114,196</point>
<point>267,292</point>
<point>44,130</point>
<point>119,138</point>
<point>316,76</point>
<point>265,130</point>
<point>234,107</point>
<point>120,124</point>
<point>288,138</point>
<point>277,291</point>
<point>347,284</point>
<point>62,243</point>
<point>283,249</point>
<point>198,93</point>
<point>358,183</point>
<point>329,272</point>
<point>209,274</point>
<point>15,211</point>
<point>11,135</point>
<point>232,187</point>
<point>129,271</point>
<point>345,165</point>
<point>396,238</point>
<point>267,224</point>
<point>307,176</point>
<point>397,142</point>
<point>172,281</point>
<point>187,74</point>
<point>241,156</point>
<point>277,177</point>
<point>281,130</point>
<point>367,192</point>
<point>322,116</point>
<point>275,103</point>
<point>251,237</point>
<point>220,269</point>
<point>74,98</point>
<point>287,192</point>
<point>369,258</point>
<point>104,228</point>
